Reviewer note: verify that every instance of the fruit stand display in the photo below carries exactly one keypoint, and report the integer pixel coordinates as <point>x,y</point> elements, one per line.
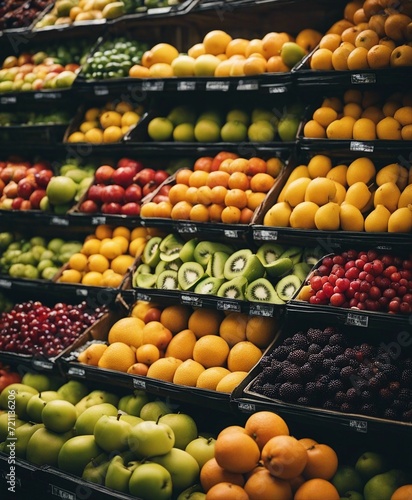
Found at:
<point>205,263</point>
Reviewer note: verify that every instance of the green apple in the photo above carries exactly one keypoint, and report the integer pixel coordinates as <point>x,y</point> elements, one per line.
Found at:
<point>183,426</point>
<point>131,419</point>
<point>96,470</point>
<point>207,131</point>
<point>23,435</point>
<point>59,415</point>
<point>194,492</point>
<point>150,480</point>
<point>76,453</point>
<point>64,79</point>
<point>21,400</point>
<point>234,131</point>
<point>211,114</point>
<point>352,495</point>
<point>111,433</point>
<point>382,486</point>
<point>119,472</point>
<point>153,410</point>
<point>261,131</point>
<point>96,397</point>
<point>182,467</point>
<point>182,114</point>
<point>238,115</point>
<point>370,464</point>
<point>288,128</point>
<point>160,129</point>
<point>87,419</point>
<point>184,132</point>
<point>133,403</point>
<point>61,190</point>
<point>202,449</point>
<point>347,478</point>
<point>259,114</point>
<point>205,65</point>
<point>77,174</point>
<point>183,65</point>
<point>5,419</point>
<point>291,53</point>
<point>64,169</point>
<point>150,438</point>
<point>38,402</point>
<point>44,446</point>
<point>73,390</point>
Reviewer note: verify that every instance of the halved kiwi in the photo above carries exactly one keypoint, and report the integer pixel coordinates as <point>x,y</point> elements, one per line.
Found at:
<point>167,280</point>
<point>234,288</point>
<point>189,274</point>
<point>301,270</point>
<point>151,252</point>
<point>279,267</point>
<point>143,268</point>
<point>269,252</point>
<point>287,287</point>
<point>216,265</point>
<point>293,253</point>
<point>204,249</point>
<point>170,254</point>
<point>262,290</point>
<point>144,280</point>
<point>163,265</point>
<point>244,263</point>
<point>311,255</point>
<point>209,286</point>
<point>170,241</point>
<point>187,250</point>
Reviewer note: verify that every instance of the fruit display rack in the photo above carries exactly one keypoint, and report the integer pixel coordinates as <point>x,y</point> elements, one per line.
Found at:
<point>293,97</point>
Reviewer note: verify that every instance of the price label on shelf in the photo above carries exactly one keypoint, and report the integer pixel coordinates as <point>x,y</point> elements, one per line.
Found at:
<point>82,292</point>
<point>231,233</point>
<point>221,86</point>
<point>5,284</point>
<point>47,96</point>
<point>61,493</point>
<point>8,99</point>
<point>76,372</point>
<point>43,365</point>
<point>247,85</point>
<point>359,425</point>
<point>361,78</point>
<point>225,305</point>
<point>266,310</point>
<point>100,90</point>
<point>153,86</point>
<point>249,407</point>
<point>191,300</point>
<point>143,296</point>
<point>354,319</point>
<point>96,221</point>
<point>186,85</point>
<point>265,235</point>
<point>277,89</point>
<point>187,228</point>
<point>361,146</point>
<point>59,221</point>
<point>138,383</point>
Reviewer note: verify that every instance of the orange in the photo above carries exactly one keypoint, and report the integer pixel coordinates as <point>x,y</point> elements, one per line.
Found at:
<point>243,356</point>
<point>92,278</point>
<point>121,264</point>
<point>238,180</point>
<point>78,262</point>
<point>307,442</point>
<point>261,330</point>
<point>177,193</point>
<point>233,328</point>
<point>155,333</point>
<point>229,382</point>
<point>138,369</point>
<point>284,456</point>
<point>325,115</point>
<point>315,489</point>
<point>389,128</point>
<point>218,178</point>
<point>211,350</point>
<point>216,41</point>
<point>205,322</point>
<point>196,50</point>
<point>122,231</point>
<point>237,46</point>
<point>322,59</point>
<point>138,71</point>
<point>98,263</point>
<point>92,354</point>
<point>236,198</point>
<point>261,182</point>
<point>215,212</point>
<point>226,491</point>
<point>91,246</point>
<point>199,213</point>
<point>113,280</point>
<point>70,276</point>
<point>261,484</point>
<point>264,425</point>
<point>322,462</point>
<point>232,428</point>
<point>211,377</point>
<point>402,493</point>
<point>118,356</point>
<point>148,209</point>
<point>255,46</point>
<point>175,317</point>
<point>236,452</point>
<point>110,249</point>
<point>181,346</point>
<point>122,241</point>
<point>198,178</point>
<point>204,196</point>
<point>275,64</point>
<point>313,129</point>
<point>330,41</point>
<point>254,199</point>
<point>164,368</point>
<point>103,231</point>
<point>231,215</point>
<point>246,215</point>
<point>147,354</point>
<point>183,175</point>
<point>128,330</point>
<point>181,210</point>
<point>212,473</point>
<point>188,372</point>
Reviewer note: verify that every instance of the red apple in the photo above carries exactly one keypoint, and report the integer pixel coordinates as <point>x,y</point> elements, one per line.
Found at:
<point>133,193</point>
<point>144,176</point>
<point>16,204</point>
<point>113,194</point>
<point>24,58</point>
<point>95,192</point>
<point>24,188</point>
<point>160,176</point>
<point>152,314</point>
<point>8,377</point>
<point>123,176</point>
<point>89,207</point>
<point>160,197</point>
<point>131,208</point>
<point>56,68</point>
<point>20,172</point>
<point>103,174</point>
<point>72,67</point>
<point>36,197</point>
<point>43,177</point>
<point>7,173</point>
<point>111,208</point>
<point>38,84</point>
<point>128,162</point>
<point>25,205</point>
<point>41,165</point>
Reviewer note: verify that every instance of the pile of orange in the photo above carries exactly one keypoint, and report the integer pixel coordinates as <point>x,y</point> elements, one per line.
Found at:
<point>362,116</point>
<point>225,188</point>
<point>201,347</point>
<point>105,256</point>
<point>262,460</point>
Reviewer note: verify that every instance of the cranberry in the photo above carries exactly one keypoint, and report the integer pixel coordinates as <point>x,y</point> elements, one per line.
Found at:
<point>359,263</point>
<point>352,273</point>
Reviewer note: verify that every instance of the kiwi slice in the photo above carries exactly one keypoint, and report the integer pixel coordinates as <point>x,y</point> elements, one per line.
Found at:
<point>293,253</point>
<point>301,270</point>
<point>170,254</point>
<point>143,268</point>
<point>151,252</point>
<point>312,255</point>
<point>234,288</point>
<point>166,266</point>
<point>279,267</point>
<point>204,249</point>
<point>170,241</point>
<point>209,286</point>
<point>187,250</point>
<point>262,290</point>
<point>244,263</point>
<point>189,274</point>
<point>167,280</point>
<point>287,287</point>
<point>269,252</point>
<point>144,280</point>
<point>216,265</point>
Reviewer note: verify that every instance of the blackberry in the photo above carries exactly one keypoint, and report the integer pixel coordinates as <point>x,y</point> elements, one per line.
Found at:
<point>405,394</point>
<point>352,395</point>
<point>346,408</point>
<point>330,330</point>
<point>327,351</point>
<point>314,348</point>
<point>406,376</point>
<point>329,405</point>
<point>276,365</point>
<point>327,364</point>
<point>341,360</point>
<point>367,350</point>
<point>265,361</point>
<point>350,353</point>
<point>386,395</point>
<point>399,405</point>
<point>271,373</point>
<point>366,396</point>
<point>298,357</point>
<point>321,390</point>
<point>290,392</point>
<point>269,391</point>
<point>316,360</point>
<point>392,372</point>
<point>281,352</point>
<point>394,387</point>
<point>340,397</point>
<point>365,372</point>
<point>354,363</point>
<point>347,372</point>
<point>291,374</point>
<point>337,339</point>
<point>335,386</point>
<point>300,341</point>
<point>407,416</point>
<point>369,409</point>
<point>288,341</point>
<point>406,364</point>
<point>390,414</point>
<point>307,371</point>
<point>377,381</point>
<point>310,389</point>
<point>317,336</point>
<point>334,372</point>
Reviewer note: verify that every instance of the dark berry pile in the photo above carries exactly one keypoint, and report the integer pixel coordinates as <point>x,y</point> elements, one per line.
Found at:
<point>320,368</point>
<point>34,328</point>
<point>364,280</point>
